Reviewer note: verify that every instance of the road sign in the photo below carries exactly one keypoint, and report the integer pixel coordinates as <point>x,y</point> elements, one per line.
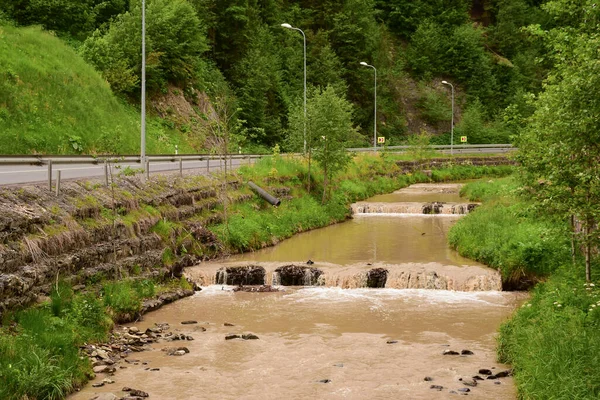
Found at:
<point>463,139</point>
<point>380,139</point>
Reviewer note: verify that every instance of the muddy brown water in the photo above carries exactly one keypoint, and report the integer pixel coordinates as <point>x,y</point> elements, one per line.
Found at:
<point>331,333</point>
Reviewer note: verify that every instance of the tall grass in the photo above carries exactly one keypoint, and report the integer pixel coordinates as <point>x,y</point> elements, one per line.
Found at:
<point>39,347</point>
<point>40,357</point>
<point>553,341</point>
<point>51,101</point>
<point>507,233</point>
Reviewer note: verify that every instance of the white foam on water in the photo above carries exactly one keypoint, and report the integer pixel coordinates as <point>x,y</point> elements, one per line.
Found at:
<point>216,290</point>
<point>336,294</point>
<point>407,215</point>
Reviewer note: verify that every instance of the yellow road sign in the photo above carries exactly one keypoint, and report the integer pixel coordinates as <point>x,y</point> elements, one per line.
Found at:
<point>463,139</point>
<point>380,139</point>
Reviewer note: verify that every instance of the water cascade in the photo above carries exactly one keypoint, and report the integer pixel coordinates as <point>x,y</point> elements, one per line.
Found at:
<point>403,276</point>
<point>413,208</point>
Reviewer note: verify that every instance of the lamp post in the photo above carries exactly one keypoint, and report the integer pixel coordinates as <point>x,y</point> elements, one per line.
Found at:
<point>452,123</point>
<point>364,64</point>
<point>143,142</point>
<point>288,26</point>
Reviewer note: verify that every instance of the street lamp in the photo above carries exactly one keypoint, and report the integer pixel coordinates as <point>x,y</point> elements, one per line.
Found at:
<point>143,143</point>
<point>288,26</point>
<point>452,123</point>
<point>364,64</point>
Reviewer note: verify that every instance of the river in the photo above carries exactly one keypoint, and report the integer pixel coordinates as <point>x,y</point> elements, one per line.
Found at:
<point>338,340</point>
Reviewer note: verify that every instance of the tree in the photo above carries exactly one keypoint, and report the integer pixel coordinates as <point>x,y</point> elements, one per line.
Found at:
<point>77,18</point>
<point>174,43</point>
<point>560,148</point>
<point>329,127</point>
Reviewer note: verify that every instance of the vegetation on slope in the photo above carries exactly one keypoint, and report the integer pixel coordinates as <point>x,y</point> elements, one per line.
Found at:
<point>552,341</point>
<point>51,101</point>
<point>237,52</point>
<point>40,346</point>
<point>509,234</point>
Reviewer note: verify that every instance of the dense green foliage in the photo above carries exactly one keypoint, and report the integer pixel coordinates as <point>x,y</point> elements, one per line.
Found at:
<point>53,102</point>
<point>507,233</point>
<point>40,355</point>
<point>238,49</point>
<point>559,147</point>
<point>553,341</point>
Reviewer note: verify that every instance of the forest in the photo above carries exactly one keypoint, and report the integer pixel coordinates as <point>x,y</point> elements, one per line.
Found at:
<point>236,53</point>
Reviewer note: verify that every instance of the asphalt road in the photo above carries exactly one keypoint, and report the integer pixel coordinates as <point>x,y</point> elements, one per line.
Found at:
<point>20,174</point>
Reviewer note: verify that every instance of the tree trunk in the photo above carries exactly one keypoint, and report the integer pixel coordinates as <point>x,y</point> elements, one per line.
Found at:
<point>325,182</point>
<point>588,253</point>
<point>573,238</point>
<point>308,178</point>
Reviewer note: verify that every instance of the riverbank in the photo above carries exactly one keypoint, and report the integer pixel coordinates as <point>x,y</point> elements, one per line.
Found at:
<point>552,341</point>
<point>93,235</point>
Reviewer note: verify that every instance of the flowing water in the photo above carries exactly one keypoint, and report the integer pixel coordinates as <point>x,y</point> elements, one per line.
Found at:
<point>331,341</point>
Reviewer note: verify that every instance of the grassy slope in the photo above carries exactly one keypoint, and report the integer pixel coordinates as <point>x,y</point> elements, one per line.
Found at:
<point>553,341</point>
<point>508,234</point>
<point>51,99</point>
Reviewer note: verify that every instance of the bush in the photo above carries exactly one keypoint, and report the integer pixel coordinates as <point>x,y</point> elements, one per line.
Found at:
<point>175,42</point>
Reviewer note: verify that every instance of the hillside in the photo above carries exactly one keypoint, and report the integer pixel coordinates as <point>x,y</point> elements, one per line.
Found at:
<point>52,101</point>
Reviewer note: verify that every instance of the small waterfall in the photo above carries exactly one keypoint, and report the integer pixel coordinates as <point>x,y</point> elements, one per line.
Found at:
<point>413,208</point>
<point>409,276</point>
<point>221,277</point>
<point>308,277</point>
<point>275,279</point>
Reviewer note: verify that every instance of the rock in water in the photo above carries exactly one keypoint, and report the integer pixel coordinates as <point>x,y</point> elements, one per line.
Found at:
<point>249,336</point>
<point>104,396</point>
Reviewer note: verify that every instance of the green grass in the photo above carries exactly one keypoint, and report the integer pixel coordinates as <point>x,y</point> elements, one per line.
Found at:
<point>52,102</point>
<point>553,341</point>
<point>125,297</point>
<point>508,234</point>
<point>40,356</point>
<point>39,347</point>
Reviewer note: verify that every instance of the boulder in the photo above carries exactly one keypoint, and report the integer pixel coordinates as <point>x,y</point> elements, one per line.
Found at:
<point>243,275</point>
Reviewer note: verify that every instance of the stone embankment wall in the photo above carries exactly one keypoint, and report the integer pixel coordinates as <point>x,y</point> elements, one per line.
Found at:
<point>91,232</point>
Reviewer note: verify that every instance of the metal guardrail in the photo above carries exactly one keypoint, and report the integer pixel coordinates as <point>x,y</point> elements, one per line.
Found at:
<point>446,149</point>
<point>97,160</point>
<point>106,161</point>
